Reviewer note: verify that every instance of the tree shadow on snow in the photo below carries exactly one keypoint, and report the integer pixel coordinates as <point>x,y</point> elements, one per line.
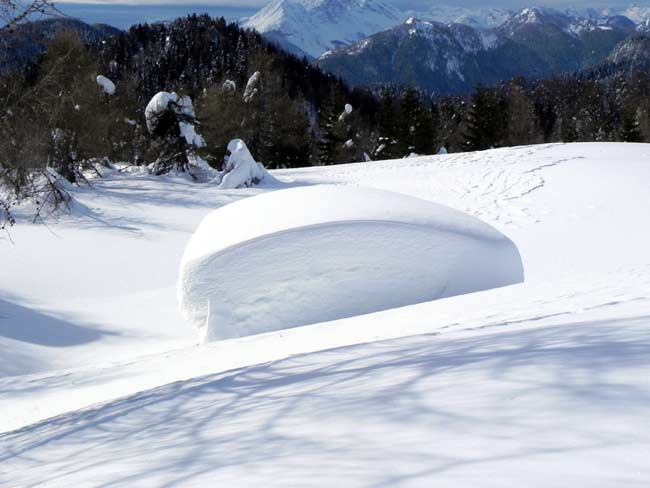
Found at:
<point>260,417</point>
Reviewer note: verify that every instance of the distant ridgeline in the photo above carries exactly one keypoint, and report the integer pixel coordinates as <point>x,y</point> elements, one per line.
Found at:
<point>27,41</point>
<point>288,111</point>
<point>454,58</point>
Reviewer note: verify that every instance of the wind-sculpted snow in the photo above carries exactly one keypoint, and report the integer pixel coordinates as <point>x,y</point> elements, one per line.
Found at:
<point>313,254</point>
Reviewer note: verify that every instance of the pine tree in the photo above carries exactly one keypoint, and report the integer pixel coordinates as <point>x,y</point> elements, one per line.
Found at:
<point>389,143</point>
<point>175,146</point>
<point>523,126</point>
<point>419,131</point>
<point>486,121</point>
<point>630,131</point>
<point>332,135</point>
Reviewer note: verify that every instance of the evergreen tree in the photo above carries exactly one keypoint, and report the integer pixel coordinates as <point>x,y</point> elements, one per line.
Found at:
<point>419,131</point>
<point>332,131</point>
<point>523,126</point>
<point>486,121</point>
<point>173,128</point>
<point>389,142</point>
<point>630,131</point>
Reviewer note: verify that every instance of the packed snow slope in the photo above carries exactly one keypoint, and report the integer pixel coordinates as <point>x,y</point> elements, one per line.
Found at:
<point>318,253</point>
<point>544,383</point>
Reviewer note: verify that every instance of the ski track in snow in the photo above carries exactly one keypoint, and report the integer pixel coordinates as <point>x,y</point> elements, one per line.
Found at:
<point>512,381</point>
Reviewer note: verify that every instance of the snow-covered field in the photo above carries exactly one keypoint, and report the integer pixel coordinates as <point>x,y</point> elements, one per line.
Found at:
<point>544,383</point>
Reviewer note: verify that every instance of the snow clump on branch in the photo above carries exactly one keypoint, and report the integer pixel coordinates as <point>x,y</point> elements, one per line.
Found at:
<point>107,85</point>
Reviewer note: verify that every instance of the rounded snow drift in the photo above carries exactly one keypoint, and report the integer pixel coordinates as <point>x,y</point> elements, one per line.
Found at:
<point>313,254</point>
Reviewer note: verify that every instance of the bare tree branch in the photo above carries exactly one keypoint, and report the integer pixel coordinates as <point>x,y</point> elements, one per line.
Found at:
<point>13,12</point>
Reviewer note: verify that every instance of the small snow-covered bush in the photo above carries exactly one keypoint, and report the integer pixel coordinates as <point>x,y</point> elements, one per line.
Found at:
<point>240,169</point>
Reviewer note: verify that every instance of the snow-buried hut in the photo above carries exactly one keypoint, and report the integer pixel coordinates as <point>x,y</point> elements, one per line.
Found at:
<point>313,254</point>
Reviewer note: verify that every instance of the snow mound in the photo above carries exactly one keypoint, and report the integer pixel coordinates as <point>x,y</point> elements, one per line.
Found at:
<point>313,254</point>
<point>241,170</point>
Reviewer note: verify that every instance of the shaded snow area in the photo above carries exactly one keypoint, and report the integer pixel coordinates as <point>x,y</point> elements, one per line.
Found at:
<point>545,383</point>
<point>254,267</point>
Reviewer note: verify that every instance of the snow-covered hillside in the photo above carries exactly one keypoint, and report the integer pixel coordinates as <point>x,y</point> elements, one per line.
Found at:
<point>545,383</point>
<point>314,26</point>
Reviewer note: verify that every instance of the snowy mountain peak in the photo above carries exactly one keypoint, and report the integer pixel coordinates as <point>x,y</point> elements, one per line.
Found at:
<point>314,26</point>
<point>571,21</point>
<point>637,14</point>
<point>480,18</point>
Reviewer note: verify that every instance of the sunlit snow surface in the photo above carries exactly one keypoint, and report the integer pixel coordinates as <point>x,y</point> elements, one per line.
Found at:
<point>545,383</point>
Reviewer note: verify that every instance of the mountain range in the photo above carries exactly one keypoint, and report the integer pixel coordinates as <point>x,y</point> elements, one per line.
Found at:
<point>443,50</point>
<point>312,27</point>
<point>453,58</point>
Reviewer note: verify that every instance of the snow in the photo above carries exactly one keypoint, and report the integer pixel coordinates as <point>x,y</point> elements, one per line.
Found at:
<point>156,106</point>
<point>229,86</point>
<point>188,132</point>
<point>241,170</point>
<point>543,383</point>
<point>251,87</point>
<point>243,271</point>
<point>347,111</point>
<point>107,85</point>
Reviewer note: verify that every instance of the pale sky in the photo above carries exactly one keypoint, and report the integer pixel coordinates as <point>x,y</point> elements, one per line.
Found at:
<point>400,3</point>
